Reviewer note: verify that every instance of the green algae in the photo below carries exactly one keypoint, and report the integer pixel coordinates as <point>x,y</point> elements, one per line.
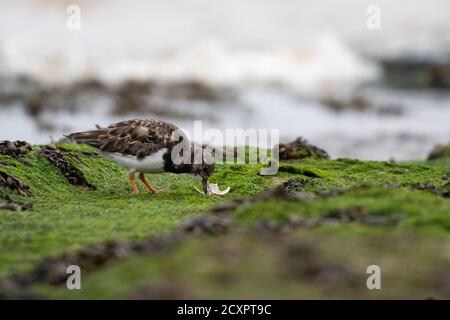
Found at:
<point>66,217</point>
<point>293,266</point>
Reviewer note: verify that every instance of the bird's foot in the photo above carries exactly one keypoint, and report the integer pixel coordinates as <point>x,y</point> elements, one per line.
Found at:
<point>148,186</point>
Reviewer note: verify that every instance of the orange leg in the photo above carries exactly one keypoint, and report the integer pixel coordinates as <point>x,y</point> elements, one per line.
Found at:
<point>146,184</point>
<point>133,183</point>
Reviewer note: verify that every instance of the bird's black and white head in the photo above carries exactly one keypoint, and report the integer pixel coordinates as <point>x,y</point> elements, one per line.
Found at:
<point>191,158</point>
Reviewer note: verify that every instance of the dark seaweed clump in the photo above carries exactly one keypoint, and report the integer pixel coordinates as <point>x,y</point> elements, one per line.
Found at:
<point>299,149</point>
<point>443,191</point>
<point>129,96</point>
<point>15,206</point>
<point>440,151</point>
<point>208,224</point>
<point>14,183</point>
<point>294,185</point>
<point>56,157</point>
<point>359,214</point>
<point>15,149</point>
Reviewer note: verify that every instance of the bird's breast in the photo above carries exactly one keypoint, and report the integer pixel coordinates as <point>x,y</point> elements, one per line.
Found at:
<point>153,163</point>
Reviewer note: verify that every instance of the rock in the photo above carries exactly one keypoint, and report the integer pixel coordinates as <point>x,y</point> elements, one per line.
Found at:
<point>14,183</point>
<point>15,149</point>
<point>208,224</point>
<point>446,191</point>
<point>18,207</point>
<point>348,214</point>
<point>193,90</point>
<point>56,157</point>
<point>440,151</point>
<point>443,191</point>
<point>227,206</point>
<point>299,149</point>
<point>359,214</point>
<point>416,72</point>
<point>294,185</point>
<point>427,186</point>
<point>91,257</point>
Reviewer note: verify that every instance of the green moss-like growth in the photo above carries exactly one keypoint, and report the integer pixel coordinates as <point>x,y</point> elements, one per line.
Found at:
<point>292,266</point>
<point>65,217</point>
<point>361,201</point>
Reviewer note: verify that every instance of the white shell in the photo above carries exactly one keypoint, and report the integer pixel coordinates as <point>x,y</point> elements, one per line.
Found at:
<point>213,188</point>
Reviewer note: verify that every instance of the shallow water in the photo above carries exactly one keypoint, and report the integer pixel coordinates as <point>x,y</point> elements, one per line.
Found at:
<point>360,134</point>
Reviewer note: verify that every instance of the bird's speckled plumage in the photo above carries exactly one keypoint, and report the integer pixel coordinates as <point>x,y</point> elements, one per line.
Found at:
<point>138,138</point>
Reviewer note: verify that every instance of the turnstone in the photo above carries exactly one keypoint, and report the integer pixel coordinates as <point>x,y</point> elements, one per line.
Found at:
<point>145,146</point>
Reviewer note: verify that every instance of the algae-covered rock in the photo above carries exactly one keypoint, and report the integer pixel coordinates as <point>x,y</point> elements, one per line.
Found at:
<point>440,151</point>
<point>10,182</point>
<point>56,157</point>
<point>13,206</point>
<point>14,183</point>
<point>299,149</point>
<point>14,149</point>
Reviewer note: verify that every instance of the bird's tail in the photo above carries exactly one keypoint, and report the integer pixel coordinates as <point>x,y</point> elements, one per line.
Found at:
<point>91,138</point>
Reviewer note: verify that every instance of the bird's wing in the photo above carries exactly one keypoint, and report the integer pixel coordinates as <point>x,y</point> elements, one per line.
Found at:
<point>131,137</point>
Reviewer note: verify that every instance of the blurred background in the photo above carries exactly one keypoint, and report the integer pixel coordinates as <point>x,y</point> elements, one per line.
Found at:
<point>309,68</point>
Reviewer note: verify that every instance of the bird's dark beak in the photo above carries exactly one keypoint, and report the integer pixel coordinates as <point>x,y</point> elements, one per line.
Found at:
<point>205,185</point>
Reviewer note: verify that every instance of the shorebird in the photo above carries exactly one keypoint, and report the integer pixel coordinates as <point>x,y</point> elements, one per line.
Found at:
<point>145,146</point>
